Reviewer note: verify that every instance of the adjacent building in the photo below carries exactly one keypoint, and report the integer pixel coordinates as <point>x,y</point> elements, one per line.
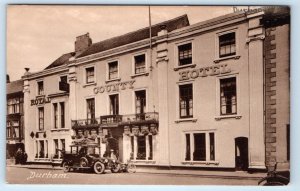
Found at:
<point>191,96</point>
<point>14,118</point>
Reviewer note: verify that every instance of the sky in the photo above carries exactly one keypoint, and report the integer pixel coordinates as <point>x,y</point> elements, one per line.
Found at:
<point>37,35</point>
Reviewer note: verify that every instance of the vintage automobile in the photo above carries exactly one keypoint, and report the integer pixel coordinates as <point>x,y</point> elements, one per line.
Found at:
<point>83,156</point>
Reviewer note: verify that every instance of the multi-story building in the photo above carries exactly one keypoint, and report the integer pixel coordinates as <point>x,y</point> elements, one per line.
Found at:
<point>14,118</point>
<point>191,96</point>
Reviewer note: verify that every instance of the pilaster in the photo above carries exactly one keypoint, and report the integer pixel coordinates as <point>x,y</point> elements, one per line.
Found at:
<point>162,70</point>
<point>256,92</point>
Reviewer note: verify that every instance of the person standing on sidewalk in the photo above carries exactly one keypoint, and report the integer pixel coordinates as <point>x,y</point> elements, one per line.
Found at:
<point>18,156</point>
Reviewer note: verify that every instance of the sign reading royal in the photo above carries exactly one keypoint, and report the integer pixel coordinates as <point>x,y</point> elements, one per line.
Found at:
<point>114,87</point>
<point>204,72</point>
<point>40,100</point>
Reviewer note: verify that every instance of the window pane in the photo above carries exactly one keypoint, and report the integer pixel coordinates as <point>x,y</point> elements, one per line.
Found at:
<point>90,109</point>
<point>41,118</point>
<point>212,146</point>
<point>55,109</point>
<point>40,88</point>
<point>150,147</point>
<point>140,101</point>
<point>114,104</point>
<point>62,114</point>
<point>188,147</point>
<point>186,100</point>
<point>139,64</point>
<point>90,75</point>
<point>185,54</point>
<point>141,144</point>
<point>227,44</point>
<point>199,146</point>
<point>228,96</point>
<point>113,70</point>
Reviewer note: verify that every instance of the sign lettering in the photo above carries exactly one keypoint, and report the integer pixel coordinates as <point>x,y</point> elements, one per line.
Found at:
<point>40,101</point>
<point>204,72</point>
<point>114,87</point>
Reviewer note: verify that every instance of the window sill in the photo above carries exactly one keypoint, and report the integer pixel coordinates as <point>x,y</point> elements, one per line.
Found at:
<point>184,66</point>
<point>144,161</point>
<point>59,129</point>
<point>194,120</point>
<point>141,74</point>
<point>200,162</point>
<point>218,118</point>
<point>40,96</point>
<point>89,84</point>
<point>235,57</point>
<point>113,80</point>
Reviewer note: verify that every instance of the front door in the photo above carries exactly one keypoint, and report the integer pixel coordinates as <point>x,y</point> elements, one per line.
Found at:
<point>115,143</point>
<point>241,153</point>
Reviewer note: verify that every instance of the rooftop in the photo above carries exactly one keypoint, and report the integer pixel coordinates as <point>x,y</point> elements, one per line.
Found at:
<point>14,87</point>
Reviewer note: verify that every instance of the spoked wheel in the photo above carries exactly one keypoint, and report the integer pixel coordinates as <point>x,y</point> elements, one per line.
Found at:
<point>99,167</point>
<point>117,168</point>
<point>131,168</point>
<point>66,167</point>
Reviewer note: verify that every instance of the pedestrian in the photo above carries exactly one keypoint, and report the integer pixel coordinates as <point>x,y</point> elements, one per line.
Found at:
<point>18,156</point>
<point>24,158</point>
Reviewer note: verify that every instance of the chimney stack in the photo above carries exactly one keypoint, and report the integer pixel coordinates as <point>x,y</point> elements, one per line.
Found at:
<point>7,78</point>
<point>82,43</point>
<point>26,71</point>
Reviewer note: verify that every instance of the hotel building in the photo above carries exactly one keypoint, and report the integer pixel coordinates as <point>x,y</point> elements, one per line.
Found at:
<point>191,96</point>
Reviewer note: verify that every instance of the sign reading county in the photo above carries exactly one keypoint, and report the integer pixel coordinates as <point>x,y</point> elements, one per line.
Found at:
<point>114,87</point>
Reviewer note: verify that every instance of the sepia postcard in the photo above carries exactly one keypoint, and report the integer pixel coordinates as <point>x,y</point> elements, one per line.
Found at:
<point>148,95</point>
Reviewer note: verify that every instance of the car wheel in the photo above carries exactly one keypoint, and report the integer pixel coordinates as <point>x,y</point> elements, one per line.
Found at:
<point>83,162</point>
<point>66,167</point>
<point>99,167</point>
<point>131,168</point>
<point>116,168</point>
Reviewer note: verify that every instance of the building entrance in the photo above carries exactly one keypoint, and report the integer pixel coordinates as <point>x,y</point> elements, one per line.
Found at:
<point>241,153</point>
<point>114,144</point>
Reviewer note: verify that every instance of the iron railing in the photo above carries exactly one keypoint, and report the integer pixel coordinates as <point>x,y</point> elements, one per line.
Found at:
<point>151,117</point>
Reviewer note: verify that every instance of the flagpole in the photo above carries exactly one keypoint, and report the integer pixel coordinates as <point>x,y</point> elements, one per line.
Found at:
<point>150,38</point>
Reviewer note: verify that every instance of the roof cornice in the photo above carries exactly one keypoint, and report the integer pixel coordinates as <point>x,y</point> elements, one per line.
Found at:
<point>201,27</point>
<point>46,72</point>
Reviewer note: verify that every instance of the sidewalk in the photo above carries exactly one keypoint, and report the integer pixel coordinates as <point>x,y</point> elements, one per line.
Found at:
<point>181,172</point>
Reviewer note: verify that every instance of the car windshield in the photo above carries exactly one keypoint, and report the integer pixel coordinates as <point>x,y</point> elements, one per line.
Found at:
<point>93,150</point>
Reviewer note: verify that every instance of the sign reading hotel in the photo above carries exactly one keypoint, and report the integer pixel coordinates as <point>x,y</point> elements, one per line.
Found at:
<point>204,72</point>
<point>114,87</point>
<point>40,100</point>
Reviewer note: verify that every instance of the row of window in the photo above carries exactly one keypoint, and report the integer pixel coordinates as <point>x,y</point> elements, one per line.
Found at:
<point>200,146</point>
<point>227,47</point>
<point>58,116</point>
<point>228,103</point>
<point>41,148</point>
<point>15,105</point>
<point>140,104</point>
<point>113,69</point>
<point>40,85</point>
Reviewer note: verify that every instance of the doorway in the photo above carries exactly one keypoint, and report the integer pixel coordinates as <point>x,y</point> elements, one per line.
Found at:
<point>241,153</point>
